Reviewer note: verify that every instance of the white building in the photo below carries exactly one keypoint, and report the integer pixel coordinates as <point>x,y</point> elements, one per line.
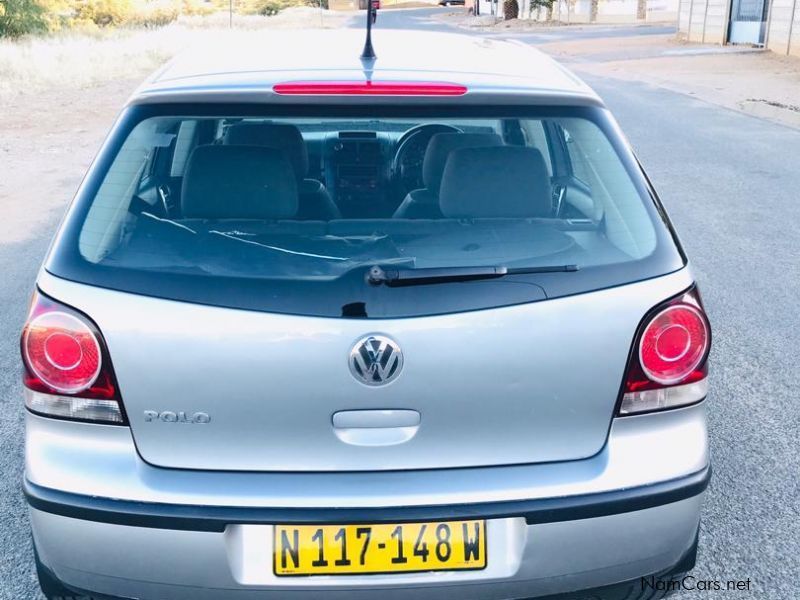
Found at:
<point>580,11</point>
<point>773,24</point>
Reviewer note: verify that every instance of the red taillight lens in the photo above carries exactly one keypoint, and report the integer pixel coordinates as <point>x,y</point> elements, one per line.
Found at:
<point>66,365</point>
<point>62,352</point>
<point>673,344</point>
<point>368,88</point>
<point>668,368</point>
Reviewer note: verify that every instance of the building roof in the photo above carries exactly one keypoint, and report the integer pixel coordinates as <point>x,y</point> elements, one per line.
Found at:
<point>245,70</point>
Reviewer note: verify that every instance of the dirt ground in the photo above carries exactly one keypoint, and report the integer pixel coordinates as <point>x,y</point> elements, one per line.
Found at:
<point>756,82</point>
<point>47,141</point>
<point>60,95</point>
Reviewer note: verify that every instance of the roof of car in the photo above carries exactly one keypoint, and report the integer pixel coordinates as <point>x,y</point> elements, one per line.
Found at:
<point>245,69</point>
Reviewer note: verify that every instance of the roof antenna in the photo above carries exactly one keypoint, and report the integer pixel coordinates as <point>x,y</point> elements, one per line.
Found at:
<point>368,53</point>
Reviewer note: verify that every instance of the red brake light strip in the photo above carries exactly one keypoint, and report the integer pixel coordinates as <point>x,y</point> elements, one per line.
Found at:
<point>368,88</point>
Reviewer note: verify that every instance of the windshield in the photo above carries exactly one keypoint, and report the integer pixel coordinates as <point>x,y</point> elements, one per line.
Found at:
<point>275,206</point>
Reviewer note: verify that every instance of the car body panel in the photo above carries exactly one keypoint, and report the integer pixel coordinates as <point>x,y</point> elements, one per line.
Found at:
<point>272,383</point>
<point>102,461</point>
<point>245,71</point>
<point>543,558</point>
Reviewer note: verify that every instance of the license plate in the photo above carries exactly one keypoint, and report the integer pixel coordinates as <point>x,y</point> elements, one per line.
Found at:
<point>363,549</point>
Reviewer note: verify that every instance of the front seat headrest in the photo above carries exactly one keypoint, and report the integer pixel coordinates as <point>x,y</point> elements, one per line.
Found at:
<point>238,182</point>
<point>440,147</point>
<point>509,181</point>
<point>280,136</point>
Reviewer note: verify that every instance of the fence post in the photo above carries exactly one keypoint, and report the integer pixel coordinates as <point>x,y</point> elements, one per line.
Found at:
<point>791,28</point>
<point>705,19</point>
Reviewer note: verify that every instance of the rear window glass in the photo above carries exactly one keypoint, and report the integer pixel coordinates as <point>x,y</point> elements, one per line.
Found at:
<point>260,210</point>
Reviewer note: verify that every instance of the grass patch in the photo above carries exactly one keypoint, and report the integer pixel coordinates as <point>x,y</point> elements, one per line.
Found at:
<point>80,58</point>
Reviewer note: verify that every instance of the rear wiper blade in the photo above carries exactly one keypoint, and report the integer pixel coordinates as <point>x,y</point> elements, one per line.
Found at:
<point>395,277</point>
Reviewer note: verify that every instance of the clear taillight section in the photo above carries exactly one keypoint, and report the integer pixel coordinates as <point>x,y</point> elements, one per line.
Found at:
<point>66,366</point>
<point>668,367</point>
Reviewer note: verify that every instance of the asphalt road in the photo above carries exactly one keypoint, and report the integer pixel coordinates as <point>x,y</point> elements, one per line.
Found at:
<point>421,19</point>
<point>731,185</point>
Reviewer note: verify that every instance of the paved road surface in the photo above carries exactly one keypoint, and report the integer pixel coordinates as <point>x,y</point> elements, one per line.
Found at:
<point>422,19</point>
<point>730,183</point>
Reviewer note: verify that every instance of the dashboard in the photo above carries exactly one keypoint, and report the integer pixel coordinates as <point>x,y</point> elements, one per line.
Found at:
<point>356,169</point>
<point>368,173</point>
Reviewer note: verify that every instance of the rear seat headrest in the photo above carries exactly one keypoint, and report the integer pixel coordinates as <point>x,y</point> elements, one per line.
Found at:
<point>508,181</point>
<point>238,182</point>
<point>280,136</point>
<point>440,147</point>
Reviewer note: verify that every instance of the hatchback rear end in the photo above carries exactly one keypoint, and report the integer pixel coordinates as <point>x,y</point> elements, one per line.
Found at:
<point>336,337</point>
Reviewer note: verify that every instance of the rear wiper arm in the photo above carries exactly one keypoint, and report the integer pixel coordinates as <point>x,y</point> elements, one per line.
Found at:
<point>396,277</point>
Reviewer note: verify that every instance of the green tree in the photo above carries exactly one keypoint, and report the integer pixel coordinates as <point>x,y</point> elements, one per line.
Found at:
<point>18,17</point>
<point>510,9</point>
<point>546,4</point>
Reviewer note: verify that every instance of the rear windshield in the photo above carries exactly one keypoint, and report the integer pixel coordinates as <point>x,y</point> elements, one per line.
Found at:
<point>296,211</point>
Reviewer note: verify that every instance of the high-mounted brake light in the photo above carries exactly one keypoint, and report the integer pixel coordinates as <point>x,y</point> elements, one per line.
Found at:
<point>67,369</point>
<point>668,367</point>
<point>368,88</point>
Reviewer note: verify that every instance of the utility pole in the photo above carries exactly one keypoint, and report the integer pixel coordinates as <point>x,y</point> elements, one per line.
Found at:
<point>230,14</point>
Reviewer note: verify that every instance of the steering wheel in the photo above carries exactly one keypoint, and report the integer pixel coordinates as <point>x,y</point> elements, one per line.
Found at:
<point>407,161</point>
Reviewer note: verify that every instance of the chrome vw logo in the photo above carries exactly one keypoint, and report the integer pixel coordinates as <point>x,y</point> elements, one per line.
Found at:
<point>376,360</point>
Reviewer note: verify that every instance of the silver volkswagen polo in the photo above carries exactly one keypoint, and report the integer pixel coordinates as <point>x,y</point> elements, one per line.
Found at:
<point>324,325</point>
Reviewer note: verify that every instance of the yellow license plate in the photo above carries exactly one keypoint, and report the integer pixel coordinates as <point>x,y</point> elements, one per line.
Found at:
<point>357,549</point>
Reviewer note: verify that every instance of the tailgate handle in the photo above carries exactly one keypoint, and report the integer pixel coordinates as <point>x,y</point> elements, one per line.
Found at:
<point>375,427</point>
<point>375,419</point>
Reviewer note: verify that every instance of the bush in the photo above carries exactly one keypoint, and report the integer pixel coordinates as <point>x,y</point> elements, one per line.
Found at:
<point>269,8</point>
<point>19,17</point>
<point>196,8</point>
<point>537,4</point>
<point>104,13</point>
<point>58,14</point>
<point>154,15</point>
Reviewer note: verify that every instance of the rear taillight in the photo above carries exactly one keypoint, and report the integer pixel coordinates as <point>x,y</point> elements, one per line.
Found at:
<point>66,365</point>
<point>668,366</point>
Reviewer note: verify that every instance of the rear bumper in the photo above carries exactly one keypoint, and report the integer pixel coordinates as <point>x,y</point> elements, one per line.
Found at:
<point>524,560</point>
<point>105,521</point>
<point>184,517</point>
